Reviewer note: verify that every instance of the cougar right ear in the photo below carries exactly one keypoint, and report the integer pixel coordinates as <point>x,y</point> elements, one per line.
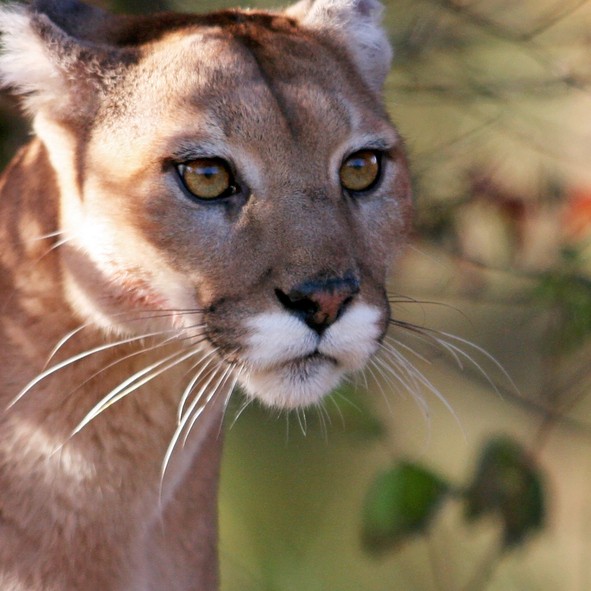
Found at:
<point>46,59</point>
<point>356,25</point>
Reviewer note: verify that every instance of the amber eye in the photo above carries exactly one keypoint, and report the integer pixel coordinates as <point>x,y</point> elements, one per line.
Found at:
<point>207,178</point>
<point>360,171</point>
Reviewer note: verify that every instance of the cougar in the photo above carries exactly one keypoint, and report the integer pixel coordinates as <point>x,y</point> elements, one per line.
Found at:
<point>207,201</point>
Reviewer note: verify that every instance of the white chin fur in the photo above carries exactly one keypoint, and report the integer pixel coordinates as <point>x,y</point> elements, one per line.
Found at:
<point>288,365</point>
<point>295,385</point>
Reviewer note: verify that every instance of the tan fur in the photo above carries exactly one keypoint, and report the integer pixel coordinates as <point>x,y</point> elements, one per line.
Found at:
<point>99,241</point>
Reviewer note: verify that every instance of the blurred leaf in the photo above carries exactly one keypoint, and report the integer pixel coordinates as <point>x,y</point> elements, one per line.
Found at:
<point>569,294</point>
<point>508,484</point>
<point>401,502</point>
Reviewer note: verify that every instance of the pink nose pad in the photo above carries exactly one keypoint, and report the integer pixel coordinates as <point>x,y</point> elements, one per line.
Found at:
<point>320,303</point>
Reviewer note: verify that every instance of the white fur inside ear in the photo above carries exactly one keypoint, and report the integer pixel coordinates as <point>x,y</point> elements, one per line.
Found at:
<point>25,64</point>
<point>357,25</point>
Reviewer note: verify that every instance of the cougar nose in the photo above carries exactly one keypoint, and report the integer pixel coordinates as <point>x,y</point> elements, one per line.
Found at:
<point>320,302</point>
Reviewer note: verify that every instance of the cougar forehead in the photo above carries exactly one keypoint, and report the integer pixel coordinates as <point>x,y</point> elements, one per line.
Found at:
<point>280,86</point>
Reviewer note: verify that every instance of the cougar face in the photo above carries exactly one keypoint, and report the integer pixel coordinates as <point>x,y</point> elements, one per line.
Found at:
<point>260,198</point>
<point>234,177</point>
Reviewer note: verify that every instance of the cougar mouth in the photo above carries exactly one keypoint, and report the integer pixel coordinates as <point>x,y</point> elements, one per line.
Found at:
<point>284,363</point>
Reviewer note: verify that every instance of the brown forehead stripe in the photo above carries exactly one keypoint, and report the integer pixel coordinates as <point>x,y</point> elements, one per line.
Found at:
<point>133,31</point>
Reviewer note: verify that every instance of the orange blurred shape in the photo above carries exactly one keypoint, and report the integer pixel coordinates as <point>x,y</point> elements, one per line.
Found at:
<point>577,216</point>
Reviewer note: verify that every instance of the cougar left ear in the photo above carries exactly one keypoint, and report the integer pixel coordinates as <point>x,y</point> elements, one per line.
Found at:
<point>356,25</point>
<point>54,68</point>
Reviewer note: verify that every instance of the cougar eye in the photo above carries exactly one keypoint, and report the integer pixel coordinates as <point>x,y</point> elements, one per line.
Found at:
<point>360,171</point>
<point>207,178</point>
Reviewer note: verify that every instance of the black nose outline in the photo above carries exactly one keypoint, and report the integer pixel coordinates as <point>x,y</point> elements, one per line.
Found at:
<point>321,301</point>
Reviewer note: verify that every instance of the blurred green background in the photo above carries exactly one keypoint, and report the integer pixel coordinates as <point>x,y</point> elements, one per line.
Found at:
<point>493,98</point>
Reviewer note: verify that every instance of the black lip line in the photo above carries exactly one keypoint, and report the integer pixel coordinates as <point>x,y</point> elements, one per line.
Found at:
<point>310,357</point>
<point>314,355</point>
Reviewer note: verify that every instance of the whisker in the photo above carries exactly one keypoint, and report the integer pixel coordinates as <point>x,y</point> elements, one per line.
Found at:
<point>237,372</point>
<point>324,419</point>
<point>143,351</point>
<point>74,359</point>
<point>412,371</point>
<point>483,352</point>
<point>370,368</point>
<point>404,381</point>
<point>331,398</point>
<point>54,246</point>
<point>402,299</point>
<point>134,382</point>
<point>44,236</point>
<point>185,420</point>
<point>248,401</point>
<point>396,343</point>
<point>63,341</point>
<point>408,381</point>
<point>193,381</point>
<point>80,328</point>
<point>441,338</point>
<point>302,420</point>
<point>32,264</point>
<point>218,385</point>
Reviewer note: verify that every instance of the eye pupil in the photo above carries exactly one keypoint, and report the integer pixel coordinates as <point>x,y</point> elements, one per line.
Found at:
<point>207,178</point>
<point>360,171</point>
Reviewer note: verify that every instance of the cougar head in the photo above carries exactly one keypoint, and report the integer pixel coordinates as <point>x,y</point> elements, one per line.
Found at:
<point>236,169</point>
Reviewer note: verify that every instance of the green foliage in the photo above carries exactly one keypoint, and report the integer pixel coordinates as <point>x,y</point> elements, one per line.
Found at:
<point>568,293</point>
<point>401,502</point>
<point>404,500</point>
<point>508,484</point>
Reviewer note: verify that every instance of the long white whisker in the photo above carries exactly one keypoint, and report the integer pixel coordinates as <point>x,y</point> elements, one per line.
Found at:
<point>143,351</point>
<point>219,384</point>
<point>331,397</point>
<point>302,420</point>
<point>364,378</point>
<point>396,343</point>
<point>63,341</point>
<point>437,337</point>
<point>193,381</point>
<point>406,379</point>
<point>133,383</point>
<point>404,365</point>
<point>54,247</point>
<point>45,236</point>
<point>370,368</point>
<point>403,378</point>
<point>183,423</point>
<point>480,350</point>
<point>245,404</point>
<point>324,418</point>
<point>410,369</point>
<point>230,392</point>
<point>74,359</point>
